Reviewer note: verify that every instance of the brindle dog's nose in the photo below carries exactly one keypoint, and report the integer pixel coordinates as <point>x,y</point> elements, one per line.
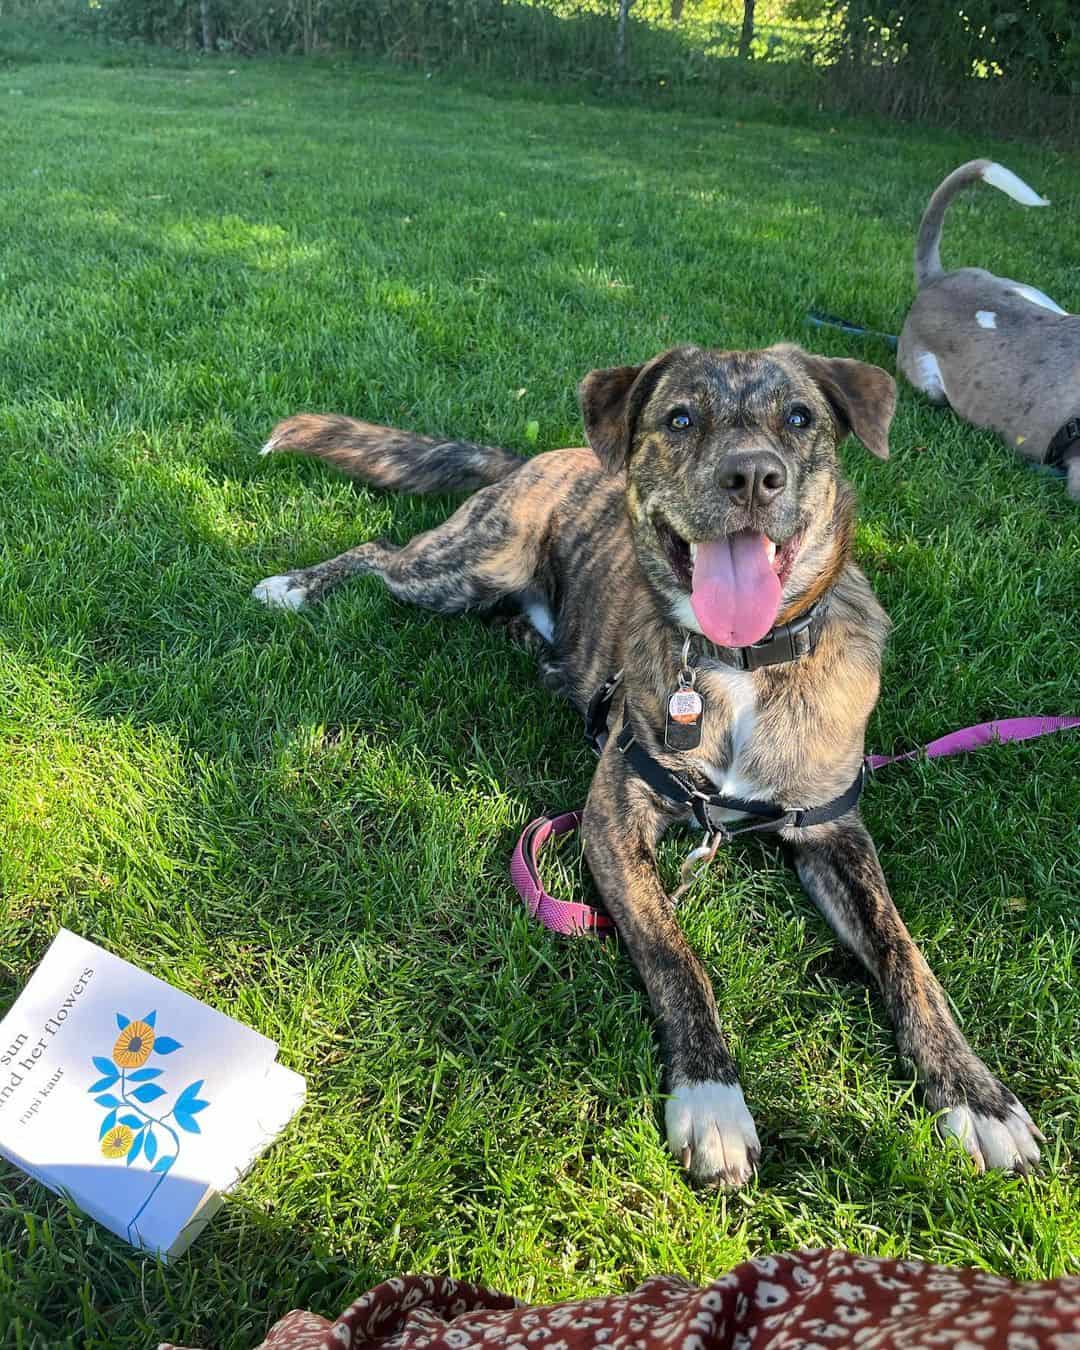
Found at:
<point>753,479</point>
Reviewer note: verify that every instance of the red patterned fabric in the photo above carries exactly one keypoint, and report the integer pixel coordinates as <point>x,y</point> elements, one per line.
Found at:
<point>810,1300</point>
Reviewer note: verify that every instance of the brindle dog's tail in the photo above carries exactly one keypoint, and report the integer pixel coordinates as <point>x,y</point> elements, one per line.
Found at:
<point>928,244</point>
<point>400,461</point>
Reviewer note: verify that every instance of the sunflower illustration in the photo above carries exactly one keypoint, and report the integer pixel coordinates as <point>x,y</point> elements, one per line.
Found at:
<point>117,1142</point>
<point>133,1045</point>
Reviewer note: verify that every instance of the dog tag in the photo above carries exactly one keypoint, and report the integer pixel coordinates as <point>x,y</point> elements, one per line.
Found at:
<point>683,729</point>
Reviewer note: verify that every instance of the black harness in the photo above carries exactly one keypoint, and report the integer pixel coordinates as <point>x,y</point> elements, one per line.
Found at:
<point>1063,441</point>
<point>787,642</point>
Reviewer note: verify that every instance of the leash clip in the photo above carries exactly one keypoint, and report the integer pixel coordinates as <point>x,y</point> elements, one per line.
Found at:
<point>705,853</point>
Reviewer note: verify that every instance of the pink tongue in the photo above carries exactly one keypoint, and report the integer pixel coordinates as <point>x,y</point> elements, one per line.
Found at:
<point>736,595</point>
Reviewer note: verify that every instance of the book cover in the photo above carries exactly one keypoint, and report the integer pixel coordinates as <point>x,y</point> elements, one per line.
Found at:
<point>135,1099</point>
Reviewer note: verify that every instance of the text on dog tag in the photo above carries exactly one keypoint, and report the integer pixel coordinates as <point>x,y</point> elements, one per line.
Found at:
<point>683,729</point>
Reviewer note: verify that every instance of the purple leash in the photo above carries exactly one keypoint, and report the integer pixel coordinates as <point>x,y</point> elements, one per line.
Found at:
<point>570,917</point>
<point>970,738</point>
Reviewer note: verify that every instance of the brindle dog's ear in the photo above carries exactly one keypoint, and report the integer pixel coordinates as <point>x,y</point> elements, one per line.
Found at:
<point>862,397</point>
<point>603,396</point>
<point>611,401</point>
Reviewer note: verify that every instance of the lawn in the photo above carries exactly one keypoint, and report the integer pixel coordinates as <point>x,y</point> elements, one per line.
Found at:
<point>305,820</point>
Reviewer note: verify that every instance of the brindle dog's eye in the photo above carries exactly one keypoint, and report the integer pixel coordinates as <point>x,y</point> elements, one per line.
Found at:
<point>680,421</point>
<point>799,417</point>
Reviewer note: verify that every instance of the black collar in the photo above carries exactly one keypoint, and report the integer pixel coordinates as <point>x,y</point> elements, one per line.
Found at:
<point>785,642</point>
<point>1067,436</point>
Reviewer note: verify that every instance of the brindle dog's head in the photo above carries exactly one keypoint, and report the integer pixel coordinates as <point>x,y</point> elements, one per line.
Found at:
<point>730,459</point>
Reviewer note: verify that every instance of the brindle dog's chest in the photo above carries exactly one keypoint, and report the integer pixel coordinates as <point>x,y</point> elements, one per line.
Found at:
<point>730,760</point>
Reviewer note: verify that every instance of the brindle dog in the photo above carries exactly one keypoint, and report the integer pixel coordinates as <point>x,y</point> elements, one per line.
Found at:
<point>711,505</point>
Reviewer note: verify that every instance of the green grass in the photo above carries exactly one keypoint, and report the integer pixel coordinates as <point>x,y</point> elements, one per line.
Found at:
<point>305,820</point>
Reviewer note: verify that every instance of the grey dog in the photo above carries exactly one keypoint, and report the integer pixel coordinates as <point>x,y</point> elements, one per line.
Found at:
<point>1001,353</point>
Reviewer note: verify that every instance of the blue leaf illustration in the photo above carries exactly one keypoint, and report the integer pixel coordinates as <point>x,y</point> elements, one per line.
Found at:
<point>108,1100</point>
<point>103,1083</point>
<point>163,1164</point>
<point>141,1075</point>
<point>165,1045</point>
<point>186,1122</point>
<point>104,1065</point>
<point>150,1147</point>
<point>122,1021</point>
<point>149,1092</point>
<point>133,1122</point>
<point>150,1018</point>
<point>189,1094</point>
<point>136,1148</point>
<point>107,1124</point>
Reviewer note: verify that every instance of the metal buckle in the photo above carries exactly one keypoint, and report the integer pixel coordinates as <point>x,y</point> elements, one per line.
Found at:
<point>755,825</point>
<point>762,826</point>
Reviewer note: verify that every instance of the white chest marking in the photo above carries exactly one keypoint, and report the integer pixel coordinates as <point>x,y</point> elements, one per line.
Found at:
<point>541,618</point>
<point>986,318</point>
<point>928,376</point>
<point>736,687</point>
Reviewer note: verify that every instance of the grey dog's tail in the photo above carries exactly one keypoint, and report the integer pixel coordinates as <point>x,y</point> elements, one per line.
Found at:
<point>401,461</point>
<point>928,244</point>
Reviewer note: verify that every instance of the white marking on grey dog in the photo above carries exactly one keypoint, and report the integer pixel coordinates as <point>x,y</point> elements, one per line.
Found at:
<point>1037,297</point>
<point>928,376</point>
<point>281,592</point>
<point>997,175</point>
<point>986,318</point>
<point>541,618</point>
<point>711,1119</point>
<point>992,1143</point>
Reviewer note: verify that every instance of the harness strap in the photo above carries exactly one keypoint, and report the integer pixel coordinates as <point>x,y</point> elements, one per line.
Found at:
<point>767,815</point>
<point>565,916</point>
<point>596,715</point>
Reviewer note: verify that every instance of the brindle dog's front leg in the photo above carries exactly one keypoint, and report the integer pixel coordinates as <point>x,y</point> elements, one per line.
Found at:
<point>708,1126</point>
<point>839,867</point>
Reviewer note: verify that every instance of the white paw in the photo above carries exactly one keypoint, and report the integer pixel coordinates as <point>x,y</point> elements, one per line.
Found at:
<point>283,592</point>
<point>712,1133</point>
<point>1007,1145</point>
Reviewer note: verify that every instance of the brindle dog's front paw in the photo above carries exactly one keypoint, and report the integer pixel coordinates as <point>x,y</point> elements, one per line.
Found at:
<point>283,592</point>
<point>992,1128</point>
<point>712,1133</point>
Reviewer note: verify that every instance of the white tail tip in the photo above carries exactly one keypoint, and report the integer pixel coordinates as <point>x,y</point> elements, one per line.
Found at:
<point>268,448</point>
<point>997,175</point>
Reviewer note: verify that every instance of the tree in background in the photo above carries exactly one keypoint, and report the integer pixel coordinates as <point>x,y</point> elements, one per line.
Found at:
<point>1036,42</point>
<point>746,36</point>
